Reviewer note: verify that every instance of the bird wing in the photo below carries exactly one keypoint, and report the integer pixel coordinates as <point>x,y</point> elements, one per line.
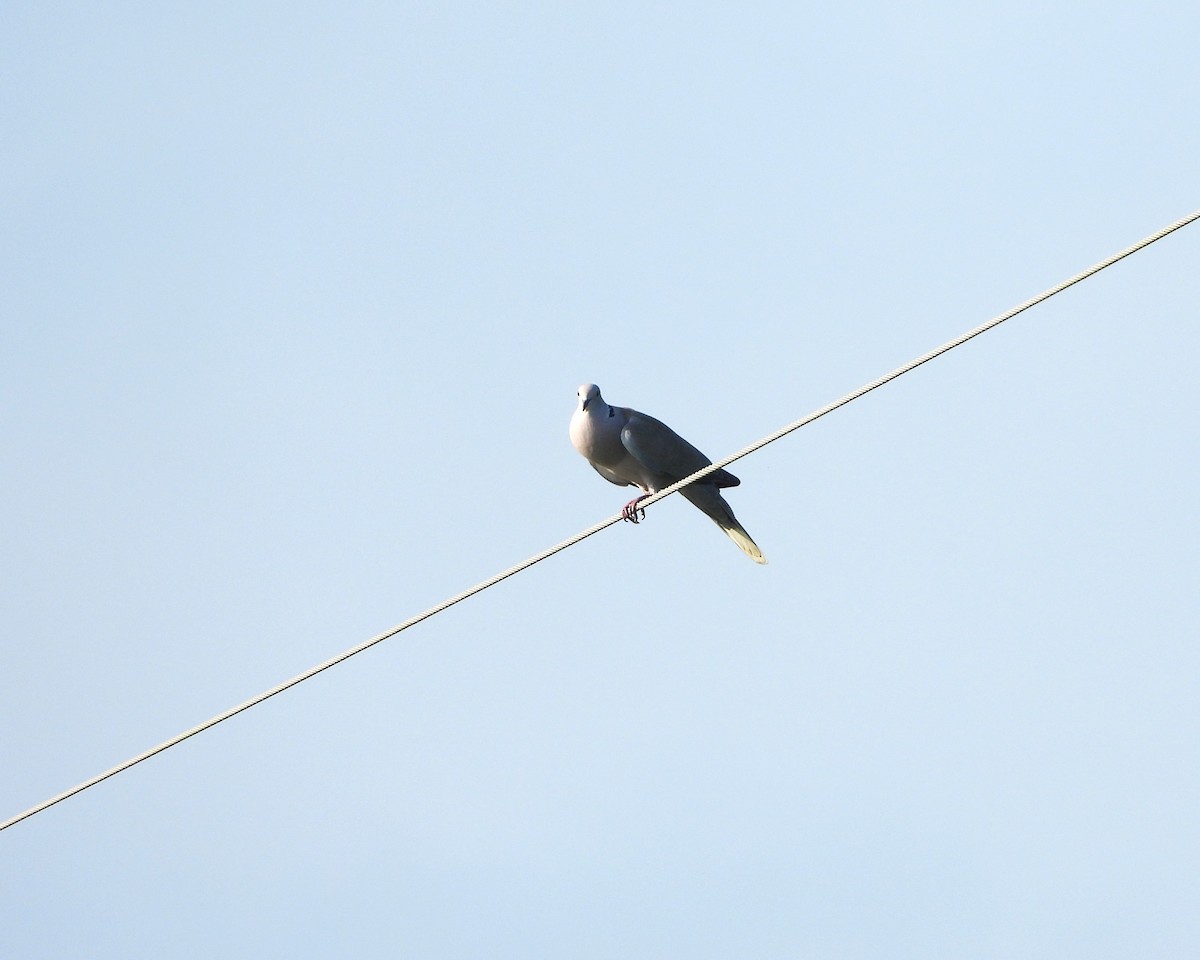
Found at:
<point>659,448</point>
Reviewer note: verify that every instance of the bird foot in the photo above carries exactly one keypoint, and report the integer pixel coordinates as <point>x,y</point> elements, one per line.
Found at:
<point>631,510</point>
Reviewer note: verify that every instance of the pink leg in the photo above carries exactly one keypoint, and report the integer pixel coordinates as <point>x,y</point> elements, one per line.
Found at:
<point>630,510</point>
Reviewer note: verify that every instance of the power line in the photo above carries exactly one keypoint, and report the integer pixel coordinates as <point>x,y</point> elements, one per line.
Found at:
<point>925,358</point>
<point>571,541</point>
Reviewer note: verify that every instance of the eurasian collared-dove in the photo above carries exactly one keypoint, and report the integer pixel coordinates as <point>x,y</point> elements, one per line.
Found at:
<point>631,449</point>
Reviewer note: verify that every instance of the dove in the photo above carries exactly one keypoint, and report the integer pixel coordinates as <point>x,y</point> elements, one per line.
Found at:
<point>632,449</point>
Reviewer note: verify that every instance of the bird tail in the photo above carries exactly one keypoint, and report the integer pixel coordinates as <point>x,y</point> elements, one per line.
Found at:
<point>737,533</point>
<point>708,498</point>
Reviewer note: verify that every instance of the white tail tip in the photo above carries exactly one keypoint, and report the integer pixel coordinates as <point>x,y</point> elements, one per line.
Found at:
<point>745,544</point>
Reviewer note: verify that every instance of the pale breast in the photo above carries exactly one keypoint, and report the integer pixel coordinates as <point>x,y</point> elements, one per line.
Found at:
<point>597,438</point>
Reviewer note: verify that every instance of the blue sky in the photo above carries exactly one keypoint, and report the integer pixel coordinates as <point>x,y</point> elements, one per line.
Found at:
<point>296,300</point>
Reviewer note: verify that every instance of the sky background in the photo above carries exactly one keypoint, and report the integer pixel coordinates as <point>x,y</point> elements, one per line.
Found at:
<point>295,299</point>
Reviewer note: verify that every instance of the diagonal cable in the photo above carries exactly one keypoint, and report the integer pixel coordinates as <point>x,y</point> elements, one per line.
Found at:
<point>571,541</point>
<point>924,358</point>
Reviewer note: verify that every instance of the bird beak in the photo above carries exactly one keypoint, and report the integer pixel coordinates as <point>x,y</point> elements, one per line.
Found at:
<point>583,406</point>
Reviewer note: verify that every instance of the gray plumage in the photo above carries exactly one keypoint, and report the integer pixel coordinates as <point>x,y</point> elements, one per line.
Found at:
<point>632,449</point>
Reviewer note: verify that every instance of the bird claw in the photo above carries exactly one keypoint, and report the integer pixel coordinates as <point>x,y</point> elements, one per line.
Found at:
<point>632,512</point>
